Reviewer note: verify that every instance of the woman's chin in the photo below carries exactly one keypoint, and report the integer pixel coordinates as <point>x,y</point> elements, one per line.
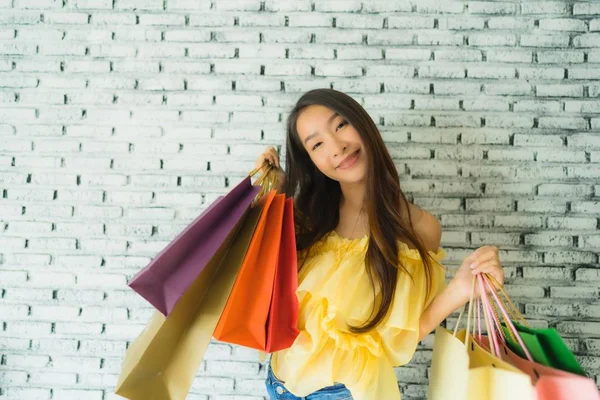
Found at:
<point>357,177</point>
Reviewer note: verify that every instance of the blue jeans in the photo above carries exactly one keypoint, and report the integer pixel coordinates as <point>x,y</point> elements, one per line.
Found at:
<point>277,391</point>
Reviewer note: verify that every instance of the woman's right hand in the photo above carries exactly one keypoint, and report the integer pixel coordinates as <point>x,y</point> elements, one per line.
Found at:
<point>271,156</point>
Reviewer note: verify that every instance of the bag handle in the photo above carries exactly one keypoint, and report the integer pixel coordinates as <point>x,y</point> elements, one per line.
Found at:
<point>510,325</point>
<point>510,307</point>
<point>489,318</point>
<point>489,310</point>
<point>470,306</point>
<point>267,180</point>
<point>487,298</point>
<point>496,314</point>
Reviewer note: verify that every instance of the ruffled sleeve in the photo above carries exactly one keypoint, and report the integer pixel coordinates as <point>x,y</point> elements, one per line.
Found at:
<point>400,330</point>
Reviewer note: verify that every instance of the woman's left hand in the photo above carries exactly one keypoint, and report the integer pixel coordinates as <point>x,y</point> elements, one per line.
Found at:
<point>483,260</point>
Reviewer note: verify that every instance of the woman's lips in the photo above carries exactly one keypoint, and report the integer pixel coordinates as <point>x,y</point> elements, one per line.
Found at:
<point>350,161</point>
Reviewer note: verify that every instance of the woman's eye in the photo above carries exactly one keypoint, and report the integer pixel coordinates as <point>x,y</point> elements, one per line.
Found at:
<point>316,145</point>
<point>344,122</point>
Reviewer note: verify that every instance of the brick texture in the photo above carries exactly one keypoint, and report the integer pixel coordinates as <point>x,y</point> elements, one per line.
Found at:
<point>121,120</point>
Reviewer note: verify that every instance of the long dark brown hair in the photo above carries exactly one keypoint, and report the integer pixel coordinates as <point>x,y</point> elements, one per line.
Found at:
<point>317,198</point>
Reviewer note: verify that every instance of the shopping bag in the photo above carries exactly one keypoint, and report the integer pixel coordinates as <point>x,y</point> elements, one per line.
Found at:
<point>550,383</point>
<point>463,370</point>
<point>170,274</point>
<point>244,320</point>
<point>472,373</point>
<point>163,360</point>
<point>546,347</point>
<point>283,314</point>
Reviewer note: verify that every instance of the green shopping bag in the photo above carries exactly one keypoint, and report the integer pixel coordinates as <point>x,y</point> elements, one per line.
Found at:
<point>546,347</point>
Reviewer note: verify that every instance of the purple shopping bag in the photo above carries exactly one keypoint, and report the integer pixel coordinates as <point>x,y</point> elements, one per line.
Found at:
<point>166,278</point>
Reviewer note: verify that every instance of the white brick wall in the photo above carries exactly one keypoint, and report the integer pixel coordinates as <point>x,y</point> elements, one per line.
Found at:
<point>120,121</point>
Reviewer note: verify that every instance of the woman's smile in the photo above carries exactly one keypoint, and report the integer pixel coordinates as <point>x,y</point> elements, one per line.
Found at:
<point>349,161</point>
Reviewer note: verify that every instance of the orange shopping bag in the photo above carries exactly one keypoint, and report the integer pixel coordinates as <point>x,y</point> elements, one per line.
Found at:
<point>245,316</point>
<point>283,318</point>
<point>244,320</point>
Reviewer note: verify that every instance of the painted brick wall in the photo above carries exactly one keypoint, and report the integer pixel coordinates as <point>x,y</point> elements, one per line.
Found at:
<point>120,120</point>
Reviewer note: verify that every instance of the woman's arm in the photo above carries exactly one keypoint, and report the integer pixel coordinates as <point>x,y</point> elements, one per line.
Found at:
<point>451,297</point>
<point>458,292</point>
<point>444,304</point>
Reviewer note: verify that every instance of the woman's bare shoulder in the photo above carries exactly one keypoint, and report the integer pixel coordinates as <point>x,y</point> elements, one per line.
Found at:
<point>427,226</point>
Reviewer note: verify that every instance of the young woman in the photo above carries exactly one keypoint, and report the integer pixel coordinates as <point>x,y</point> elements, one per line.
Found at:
<point>370,283</point>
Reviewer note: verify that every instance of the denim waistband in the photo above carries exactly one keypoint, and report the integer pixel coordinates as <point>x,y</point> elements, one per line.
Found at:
<point>274,380</point>
<point>272,375</point>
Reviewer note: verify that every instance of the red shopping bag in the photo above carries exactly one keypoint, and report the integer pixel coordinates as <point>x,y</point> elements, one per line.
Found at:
<point>244,319</point>
<point>283,316</point>
<point>265,277</point>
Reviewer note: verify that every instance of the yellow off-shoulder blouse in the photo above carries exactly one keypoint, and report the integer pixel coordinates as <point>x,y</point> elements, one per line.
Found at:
<point>333,291</point>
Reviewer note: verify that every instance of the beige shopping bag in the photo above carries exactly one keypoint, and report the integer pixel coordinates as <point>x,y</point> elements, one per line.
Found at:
<point>162,362</point>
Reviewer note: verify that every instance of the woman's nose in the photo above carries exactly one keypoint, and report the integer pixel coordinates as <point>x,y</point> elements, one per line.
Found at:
<point>339,147</point>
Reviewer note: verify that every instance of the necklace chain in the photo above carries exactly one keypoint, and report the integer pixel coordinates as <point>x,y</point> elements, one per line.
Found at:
<point>354,228</point>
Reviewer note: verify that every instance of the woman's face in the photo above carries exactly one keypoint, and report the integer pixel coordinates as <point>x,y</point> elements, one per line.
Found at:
<point>334,146</point>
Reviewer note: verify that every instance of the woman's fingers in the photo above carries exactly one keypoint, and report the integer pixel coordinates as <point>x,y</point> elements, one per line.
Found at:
<point>487,267</point>
<point>273,159</point>
<point>270,155</point>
